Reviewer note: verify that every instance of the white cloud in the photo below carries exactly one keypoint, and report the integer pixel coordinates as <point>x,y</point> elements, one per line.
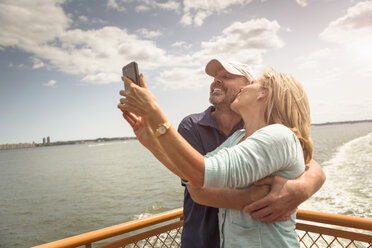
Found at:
<point>37,63</point>
<point>83,19</point>
<point>142,8</point>
<point>170,5</point>
<point>144,5</point>
<point>27,24</point>
<point>113,4</point>
<point>246,41</point>
<point>353,33</point>
<point>200,16</point>
<point>100,52</point>
<point>243,42</point>
<point>353,28</point>
<point>50,83</point>
<point>167,5</point>
<point>96,54</point>
<point>341,74</point>
<point>303,3</point>
<point>182,44</point>
<point>195,12</point>
<point>148,34</point>
<point>86,20</point>
<point>186,19</point>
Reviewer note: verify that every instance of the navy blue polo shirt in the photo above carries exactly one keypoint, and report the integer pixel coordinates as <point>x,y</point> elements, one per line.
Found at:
<point>200,228</point>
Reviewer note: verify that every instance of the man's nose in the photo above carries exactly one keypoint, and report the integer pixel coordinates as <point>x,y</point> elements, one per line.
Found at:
<point>217,79</point>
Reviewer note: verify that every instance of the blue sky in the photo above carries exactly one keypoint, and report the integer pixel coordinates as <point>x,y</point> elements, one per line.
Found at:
<point>61,60</point>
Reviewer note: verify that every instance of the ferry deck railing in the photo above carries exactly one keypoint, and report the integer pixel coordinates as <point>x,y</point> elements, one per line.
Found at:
<point>314,229</point>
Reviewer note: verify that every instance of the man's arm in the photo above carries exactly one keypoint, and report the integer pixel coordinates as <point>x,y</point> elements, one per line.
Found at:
<point>227,198</point>
<point>286,195</point>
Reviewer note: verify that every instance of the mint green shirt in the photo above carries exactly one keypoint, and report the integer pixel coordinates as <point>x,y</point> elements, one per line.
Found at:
<point>272,150</point>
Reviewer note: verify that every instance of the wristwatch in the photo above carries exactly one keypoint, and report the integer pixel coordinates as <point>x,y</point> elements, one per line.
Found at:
<point>162,129</point>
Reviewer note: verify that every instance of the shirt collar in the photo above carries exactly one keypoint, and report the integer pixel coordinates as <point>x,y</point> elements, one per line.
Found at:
<point>209,121</point>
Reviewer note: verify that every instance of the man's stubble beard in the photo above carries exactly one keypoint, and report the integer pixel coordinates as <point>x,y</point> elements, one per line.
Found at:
<point>224,104</point>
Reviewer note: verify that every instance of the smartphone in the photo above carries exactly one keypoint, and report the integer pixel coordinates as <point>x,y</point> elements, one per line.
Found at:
<point>131,71</point>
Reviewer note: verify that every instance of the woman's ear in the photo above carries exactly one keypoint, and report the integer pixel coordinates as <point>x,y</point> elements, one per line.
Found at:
<point>262,94</point>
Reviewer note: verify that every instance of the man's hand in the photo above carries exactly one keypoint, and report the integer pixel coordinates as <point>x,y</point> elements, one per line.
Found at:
<point>286,195</point>
<point>279,204</point>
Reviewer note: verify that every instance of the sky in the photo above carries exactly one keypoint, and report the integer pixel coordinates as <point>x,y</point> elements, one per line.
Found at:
<point>61,60</point>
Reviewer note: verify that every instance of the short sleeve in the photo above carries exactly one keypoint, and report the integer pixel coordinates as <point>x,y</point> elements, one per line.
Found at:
<point>187,129</point>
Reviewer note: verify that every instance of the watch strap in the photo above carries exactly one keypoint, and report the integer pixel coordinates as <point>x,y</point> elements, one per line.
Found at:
<point>162,129</point>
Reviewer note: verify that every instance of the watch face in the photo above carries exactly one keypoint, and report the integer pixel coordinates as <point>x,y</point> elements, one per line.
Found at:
<point>162,129</point>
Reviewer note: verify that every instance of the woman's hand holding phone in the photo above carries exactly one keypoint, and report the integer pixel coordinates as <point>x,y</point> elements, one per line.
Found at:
<point>138,98</point>
<point>136,105</point>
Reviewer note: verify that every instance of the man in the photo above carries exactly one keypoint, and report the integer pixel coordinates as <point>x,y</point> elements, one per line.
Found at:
<point>206,131</point>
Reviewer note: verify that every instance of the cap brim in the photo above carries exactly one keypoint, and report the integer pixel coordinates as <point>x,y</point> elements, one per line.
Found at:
<point>212,67</point>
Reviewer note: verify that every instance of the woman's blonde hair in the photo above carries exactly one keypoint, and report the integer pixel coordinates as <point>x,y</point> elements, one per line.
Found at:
<point>287,104</point>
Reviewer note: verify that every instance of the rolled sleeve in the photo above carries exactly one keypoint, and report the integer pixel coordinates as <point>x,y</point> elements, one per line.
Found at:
<point>271,150</point>
<point>213,173</point>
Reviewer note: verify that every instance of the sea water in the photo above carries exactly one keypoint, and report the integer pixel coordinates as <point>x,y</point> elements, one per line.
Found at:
<point>50,193</point>
<point>345,153</point>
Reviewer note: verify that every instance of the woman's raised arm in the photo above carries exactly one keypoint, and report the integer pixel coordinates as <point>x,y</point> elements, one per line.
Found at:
<point>141,109</point>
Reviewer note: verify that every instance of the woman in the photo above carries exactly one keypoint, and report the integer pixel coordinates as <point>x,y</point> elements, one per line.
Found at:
<point>275,141</point>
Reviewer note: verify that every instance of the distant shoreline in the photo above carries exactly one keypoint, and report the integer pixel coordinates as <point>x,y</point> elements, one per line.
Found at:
<point>60,143</point>
<point>340,122</point>
<point>101,140</point>
<point>87,141</point>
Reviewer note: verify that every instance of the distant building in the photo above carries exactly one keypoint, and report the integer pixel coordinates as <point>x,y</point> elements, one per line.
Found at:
<point>15,146</point>
<point>44,141</point>
<point>48,140</point>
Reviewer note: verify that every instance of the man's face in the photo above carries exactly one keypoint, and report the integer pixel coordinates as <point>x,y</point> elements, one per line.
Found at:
<point>224,88</point>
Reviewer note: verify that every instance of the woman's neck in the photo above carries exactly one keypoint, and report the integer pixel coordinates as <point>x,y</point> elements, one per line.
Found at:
<point>253,122</point>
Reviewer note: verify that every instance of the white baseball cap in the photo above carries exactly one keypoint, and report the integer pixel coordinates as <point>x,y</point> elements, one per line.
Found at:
<point>231,67</point>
